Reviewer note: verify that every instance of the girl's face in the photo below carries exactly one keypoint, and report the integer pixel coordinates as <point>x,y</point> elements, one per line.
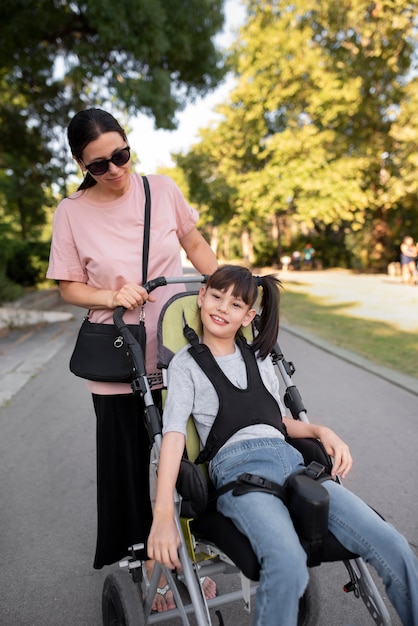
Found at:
<point>222,313</point>
<point>115,181</point>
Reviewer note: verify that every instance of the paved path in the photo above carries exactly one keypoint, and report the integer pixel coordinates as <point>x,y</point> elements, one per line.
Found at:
<point>47,452</point>
<point>47,513</point>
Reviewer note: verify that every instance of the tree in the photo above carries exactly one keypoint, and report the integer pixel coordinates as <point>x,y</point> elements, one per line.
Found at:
<point>147,55</point>
<point>57,57</point>
<point>317,125</point>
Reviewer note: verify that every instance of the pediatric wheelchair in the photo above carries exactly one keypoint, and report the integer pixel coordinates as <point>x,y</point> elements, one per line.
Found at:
<point>210,543</point>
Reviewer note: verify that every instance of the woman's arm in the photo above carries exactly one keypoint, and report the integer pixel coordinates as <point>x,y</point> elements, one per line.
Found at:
<point>199,252</point>
<point>164,540</point>
<point>332,443</point>
<point>129,296</point>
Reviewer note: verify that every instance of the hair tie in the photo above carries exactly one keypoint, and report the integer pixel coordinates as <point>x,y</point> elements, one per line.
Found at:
<point>258,281</point>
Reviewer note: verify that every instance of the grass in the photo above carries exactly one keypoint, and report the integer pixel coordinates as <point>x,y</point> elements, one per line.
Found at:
<point>377,341</point>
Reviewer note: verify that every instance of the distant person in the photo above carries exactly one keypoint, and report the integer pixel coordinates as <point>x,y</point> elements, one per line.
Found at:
<point>409,253</point>
<point>296,260</point>
<point>285,261</point>
<point>308,256</point>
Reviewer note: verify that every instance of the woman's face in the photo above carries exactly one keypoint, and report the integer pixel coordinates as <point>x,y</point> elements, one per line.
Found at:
<point>115,181</point>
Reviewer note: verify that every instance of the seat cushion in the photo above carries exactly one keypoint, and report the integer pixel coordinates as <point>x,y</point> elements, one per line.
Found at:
<point>220,530</point>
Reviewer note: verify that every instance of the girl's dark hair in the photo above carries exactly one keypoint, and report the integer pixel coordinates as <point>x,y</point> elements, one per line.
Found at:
<point>245,286</point>
<point>87,126</point>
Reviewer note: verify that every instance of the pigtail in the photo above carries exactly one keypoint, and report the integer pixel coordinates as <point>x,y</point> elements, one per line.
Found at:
<point>268,321</point>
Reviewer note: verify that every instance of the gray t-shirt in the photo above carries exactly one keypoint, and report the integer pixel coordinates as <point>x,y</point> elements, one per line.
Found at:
<point>190,392</point>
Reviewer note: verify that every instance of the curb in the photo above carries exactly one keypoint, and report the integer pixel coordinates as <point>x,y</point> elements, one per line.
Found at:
<point>18,318</point>
<point>34,308</point>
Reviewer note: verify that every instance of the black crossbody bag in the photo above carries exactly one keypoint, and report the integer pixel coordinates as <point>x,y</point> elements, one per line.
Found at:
<point>100,352</point>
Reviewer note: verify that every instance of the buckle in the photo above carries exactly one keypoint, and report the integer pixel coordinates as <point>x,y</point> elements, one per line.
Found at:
<point>315,470</point>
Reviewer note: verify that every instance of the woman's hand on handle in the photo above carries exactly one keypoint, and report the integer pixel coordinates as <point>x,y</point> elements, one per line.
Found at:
<point>131,296</point>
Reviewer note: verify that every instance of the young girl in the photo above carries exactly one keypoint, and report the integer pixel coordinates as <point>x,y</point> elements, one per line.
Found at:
<point>226,305</point>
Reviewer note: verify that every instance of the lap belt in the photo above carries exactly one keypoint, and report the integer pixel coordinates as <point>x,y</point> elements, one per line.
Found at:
<point>305,497</point>
<point>250,482</point>
<point>245,483</point>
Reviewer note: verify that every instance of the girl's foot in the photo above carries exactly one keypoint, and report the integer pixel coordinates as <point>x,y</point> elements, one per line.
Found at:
<point>164,600</point>
<point>209,587</point>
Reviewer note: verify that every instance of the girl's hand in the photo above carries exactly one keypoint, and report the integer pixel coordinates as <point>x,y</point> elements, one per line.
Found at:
<point>163,543</point>
<point>131,296</point>
<point>337,449</point>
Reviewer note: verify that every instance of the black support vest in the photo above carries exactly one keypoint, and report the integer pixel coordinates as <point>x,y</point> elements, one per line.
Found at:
<point>238,408</point>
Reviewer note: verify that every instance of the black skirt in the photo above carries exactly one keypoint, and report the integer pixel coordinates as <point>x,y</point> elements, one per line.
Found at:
<point>123,454</point>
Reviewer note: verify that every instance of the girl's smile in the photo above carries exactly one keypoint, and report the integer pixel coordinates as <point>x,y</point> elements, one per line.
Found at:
<point>219,320</point>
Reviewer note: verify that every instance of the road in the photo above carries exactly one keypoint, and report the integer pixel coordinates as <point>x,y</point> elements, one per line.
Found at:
<point>47,452</point>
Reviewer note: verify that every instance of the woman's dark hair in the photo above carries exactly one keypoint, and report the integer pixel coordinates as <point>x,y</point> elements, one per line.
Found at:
<point>245,286</point>
<point>87,126</point>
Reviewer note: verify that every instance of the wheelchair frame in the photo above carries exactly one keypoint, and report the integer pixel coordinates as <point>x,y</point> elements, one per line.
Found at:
<point>128,593</point>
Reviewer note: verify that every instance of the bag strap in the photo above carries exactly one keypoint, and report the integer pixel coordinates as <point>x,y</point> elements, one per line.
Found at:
<point>147,221</point>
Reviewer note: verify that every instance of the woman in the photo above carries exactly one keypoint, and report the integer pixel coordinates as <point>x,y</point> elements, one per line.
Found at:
<point>225,398</point>
<point>96,255</point>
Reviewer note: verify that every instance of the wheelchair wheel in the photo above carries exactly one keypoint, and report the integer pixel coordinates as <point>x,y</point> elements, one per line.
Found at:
<point>309,604</point>
<point>121,603</point>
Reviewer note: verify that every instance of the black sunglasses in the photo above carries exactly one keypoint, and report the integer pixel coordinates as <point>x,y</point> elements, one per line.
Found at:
<point>119,158</point>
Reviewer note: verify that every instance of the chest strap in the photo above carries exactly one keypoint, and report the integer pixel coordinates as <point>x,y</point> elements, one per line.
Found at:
<point>238,408</point>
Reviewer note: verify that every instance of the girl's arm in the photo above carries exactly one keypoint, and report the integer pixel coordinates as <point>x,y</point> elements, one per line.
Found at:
<point>297,429</point>
<point>332,443</point>
<point>164,539</point>
<point>199,252</point>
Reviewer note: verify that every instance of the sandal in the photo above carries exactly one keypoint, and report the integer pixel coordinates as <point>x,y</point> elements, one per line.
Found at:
<point>164,599</point>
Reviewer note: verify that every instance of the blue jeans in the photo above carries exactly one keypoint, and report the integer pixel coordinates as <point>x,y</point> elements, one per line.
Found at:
<point>265,520</point>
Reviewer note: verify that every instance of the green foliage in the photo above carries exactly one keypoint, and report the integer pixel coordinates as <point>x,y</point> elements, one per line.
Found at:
<point>150,56</point>
<point>59,57</point>
<point>9,291</point>
<point>27,263</point>
<point>211,193</point>
<point>322,127</point>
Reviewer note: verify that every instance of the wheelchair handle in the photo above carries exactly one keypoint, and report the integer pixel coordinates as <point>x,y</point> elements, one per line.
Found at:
<point>175,280</point>
<point>161,281</point>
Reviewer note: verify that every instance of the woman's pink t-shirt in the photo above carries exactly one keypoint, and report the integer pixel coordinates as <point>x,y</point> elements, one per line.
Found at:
<point>100,244</point>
